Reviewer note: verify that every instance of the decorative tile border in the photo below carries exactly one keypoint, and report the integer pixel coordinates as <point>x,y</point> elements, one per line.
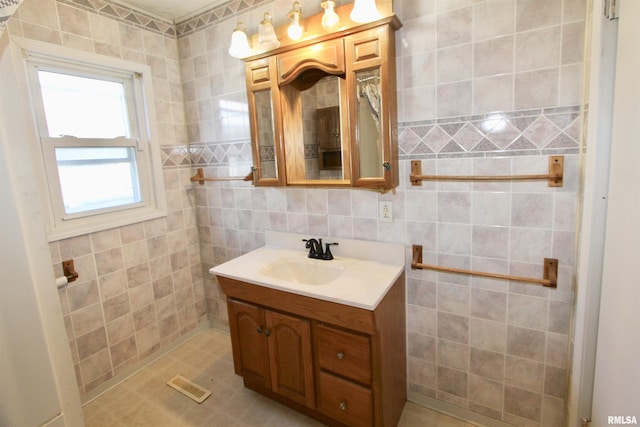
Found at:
<point>214,15</point>
<point>165,27</point>
<point>202,155</point>
<point>7,9</point>
<point>531,132</point>
<point>521,133</point>
<point>126,15</point>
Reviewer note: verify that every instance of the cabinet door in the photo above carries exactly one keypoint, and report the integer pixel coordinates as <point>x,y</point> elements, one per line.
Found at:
<point>265,118</point>
<point>328,128</point>
<point>247,326</point>
<point>372,107</point>
<point>290,358</point>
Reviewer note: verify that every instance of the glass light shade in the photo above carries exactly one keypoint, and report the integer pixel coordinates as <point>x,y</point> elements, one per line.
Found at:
<point>267,39</point>
<point>330,19</point>
<point>239,47</point>
<point>295,30</point>
<point>364,11</point>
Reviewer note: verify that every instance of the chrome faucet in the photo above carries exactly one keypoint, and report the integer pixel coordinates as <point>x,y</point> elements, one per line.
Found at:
<point>316,251</point>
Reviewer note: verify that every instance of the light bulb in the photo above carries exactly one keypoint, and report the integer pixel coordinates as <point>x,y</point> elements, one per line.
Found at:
<point>330,19</point>
<point>364,11</point>
<point>295,30</point>
<point>239,47</point>
<point>267,39</point>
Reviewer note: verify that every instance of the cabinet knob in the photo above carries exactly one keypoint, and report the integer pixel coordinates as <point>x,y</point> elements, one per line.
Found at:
<point>267,332</point>
<point>259,330</point>
<point>343,406</point>
<point>340,355</point>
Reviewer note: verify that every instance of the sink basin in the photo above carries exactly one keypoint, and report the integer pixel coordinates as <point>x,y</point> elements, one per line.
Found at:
<point>305,271</point>
<point>359,276</point>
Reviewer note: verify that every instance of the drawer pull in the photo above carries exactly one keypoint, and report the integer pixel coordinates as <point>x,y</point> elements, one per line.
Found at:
<point>340,355</point>
<point>267,332</point>
<point>343,406</point>
<point>259,330</point>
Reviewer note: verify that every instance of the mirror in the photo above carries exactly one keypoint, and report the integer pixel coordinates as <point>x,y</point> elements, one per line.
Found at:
<point>266,134</point>
<point>368,125</point>
<point>314,144</point>
<point>322,135</point>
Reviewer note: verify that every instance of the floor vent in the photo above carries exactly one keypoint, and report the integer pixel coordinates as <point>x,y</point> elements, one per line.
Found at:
<point>189,389</point>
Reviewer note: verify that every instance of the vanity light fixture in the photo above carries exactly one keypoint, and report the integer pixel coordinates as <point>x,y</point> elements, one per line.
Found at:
<point>330,19</point>
<point>239,43</point>
<point>267,39</point>
<point>295,30</point>
<point>364,11</point>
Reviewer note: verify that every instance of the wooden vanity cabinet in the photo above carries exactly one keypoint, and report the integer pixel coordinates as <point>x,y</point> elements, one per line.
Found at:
<point>342,365</point>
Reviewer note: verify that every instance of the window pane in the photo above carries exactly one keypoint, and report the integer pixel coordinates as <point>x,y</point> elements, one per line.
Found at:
<point>83,107</point>
<point>97,178</point>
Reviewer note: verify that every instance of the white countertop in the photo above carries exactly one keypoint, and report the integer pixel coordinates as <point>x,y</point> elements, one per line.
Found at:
<point>370,268</point>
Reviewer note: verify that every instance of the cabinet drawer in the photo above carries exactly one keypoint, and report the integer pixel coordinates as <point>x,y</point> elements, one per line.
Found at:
<point>345,401</point>
<point>344,353</point>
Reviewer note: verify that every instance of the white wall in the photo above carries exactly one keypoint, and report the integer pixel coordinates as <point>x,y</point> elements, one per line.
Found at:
<point>38,384</point>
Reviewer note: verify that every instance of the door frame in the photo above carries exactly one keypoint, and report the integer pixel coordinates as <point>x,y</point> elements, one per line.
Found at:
<point>604,371</point>
<point>598,90</point>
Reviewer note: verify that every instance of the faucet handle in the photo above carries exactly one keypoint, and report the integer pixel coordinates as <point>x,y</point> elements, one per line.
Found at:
<point>327,253</point>
<point>311,244</point>
<point>308,244</point>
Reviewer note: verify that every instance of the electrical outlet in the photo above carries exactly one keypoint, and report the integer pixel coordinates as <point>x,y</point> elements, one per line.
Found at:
<point>385,213</point>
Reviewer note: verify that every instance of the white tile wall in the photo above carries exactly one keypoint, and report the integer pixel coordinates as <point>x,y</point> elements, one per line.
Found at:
<point>140,287</point>
<point>489,346</point>
<point>474,342</point>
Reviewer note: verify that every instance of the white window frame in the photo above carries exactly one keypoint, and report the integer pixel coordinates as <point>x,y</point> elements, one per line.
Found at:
<point>139,95</point>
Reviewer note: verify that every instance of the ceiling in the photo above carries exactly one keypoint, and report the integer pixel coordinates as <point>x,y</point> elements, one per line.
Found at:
<point>173,10</point>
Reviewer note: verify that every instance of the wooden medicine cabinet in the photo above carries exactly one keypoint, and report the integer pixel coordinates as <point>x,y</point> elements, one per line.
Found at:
<point>323,109</point>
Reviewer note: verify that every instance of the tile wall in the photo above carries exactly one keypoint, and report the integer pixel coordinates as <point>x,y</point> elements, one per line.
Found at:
<point>484,87</point>
<point>140,287</point>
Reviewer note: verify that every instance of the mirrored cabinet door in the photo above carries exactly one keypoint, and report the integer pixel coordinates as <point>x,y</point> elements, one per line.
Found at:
<point>266,141</point>
<point>368,125</point>
<point>315,149</point>
<point>313,94</point>
<point>264,112</point>
<point>371,74</point>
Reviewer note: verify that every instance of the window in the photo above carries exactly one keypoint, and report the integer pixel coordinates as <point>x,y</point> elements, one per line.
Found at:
<point>95,127</point>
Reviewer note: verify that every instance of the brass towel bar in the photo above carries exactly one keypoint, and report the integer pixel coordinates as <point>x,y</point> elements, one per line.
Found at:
<point>200,178</point>
<point>554,177</point>
<point>550,275</point>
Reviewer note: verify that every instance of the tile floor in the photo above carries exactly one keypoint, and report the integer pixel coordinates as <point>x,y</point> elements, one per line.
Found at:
<point>145,400</point>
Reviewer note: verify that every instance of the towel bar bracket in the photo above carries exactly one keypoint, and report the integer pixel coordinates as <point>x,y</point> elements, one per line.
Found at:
<point>69,270</point>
